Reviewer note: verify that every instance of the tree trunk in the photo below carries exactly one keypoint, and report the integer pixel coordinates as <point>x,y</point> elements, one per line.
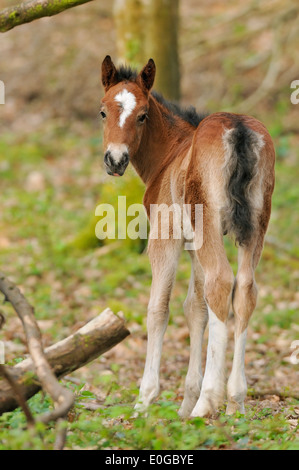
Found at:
<point>147,29</point>
<point>95,338</point>
<point>130,32</point>
<point>162,45</point>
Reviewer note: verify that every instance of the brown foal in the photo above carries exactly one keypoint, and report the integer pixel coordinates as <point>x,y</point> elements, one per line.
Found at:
<point>224,162</point>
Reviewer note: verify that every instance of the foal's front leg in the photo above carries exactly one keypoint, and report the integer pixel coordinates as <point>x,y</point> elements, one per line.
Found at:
<point>164,256</point>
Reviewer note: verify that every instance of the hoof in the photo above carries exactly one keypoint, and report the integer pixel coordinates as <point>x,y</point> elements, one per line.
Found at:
<point>184,413</point>
<point>233,407</point>
<point>186,408</point>
<point>205,407</point>
<point>140,407</point>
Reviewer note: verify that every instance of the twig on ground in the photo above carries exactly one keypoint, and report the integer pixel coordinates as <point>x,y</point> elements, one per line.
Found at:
<point>63,398</point>
<point>61,431</point>
<point>4,372</point>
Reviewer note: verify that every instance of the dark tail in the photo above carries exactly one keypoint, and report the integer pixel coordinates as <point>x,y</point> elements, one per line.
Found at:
<point>242,154</point>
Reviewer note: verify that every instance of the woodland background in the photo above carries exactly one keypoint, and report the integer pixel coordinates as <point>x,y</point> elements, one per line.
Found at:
<point>230,56</point>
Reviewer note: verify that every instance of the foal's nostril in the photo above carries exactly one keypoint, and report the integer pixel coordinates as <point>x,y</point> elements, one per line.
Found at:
<point>108,159</point>
<point>124,159</point>
<point>116,164</point>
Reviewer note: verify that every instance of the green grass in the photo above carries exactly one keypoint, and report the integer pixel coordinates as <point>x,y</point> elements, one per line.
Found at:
<point>115,425</point>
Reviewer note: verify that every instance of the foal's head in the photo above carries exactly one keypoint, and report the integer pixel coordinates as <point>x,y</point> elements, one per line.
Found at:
<point>124,111</point>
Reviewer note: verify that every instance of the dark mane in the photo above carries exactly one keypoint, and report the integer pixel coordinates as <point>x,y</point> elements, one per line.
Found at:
<point>189,114</point>
<point>126,74</point>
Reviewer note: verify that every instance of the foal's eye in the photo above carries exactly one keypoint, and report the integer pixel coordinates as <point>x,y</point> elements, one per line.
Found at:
<point>103,114</point>
<point>142,118</point>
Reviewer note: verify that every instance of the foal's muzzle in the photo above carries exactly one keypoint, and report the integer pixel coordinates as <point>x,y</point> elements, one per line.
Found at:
<point>116,167</point>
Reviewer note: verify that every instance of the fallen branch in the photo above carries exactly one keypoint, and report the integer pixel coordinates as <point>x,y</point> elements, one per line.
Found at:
<point>62,397</point>
<point>93,339</point>
<point>61,435</point>
<point>32,10</point>
<point>18,394</point>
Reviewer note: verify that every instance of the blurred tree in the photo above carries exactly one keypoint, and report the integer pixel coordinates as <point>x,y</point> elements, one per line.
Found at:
<point>150,29</point>
<point>145,28</point>
<point>130,31</point>
<point>162,45</point>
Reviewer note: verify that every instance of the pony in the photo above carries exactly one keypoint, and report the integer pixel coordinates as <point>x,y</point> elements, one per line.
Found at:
<point>223,162</point>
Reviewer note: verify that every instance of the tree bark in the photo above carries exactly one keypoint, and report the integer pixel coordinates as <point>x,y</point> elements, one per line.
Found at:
<point>162,45</point>
<point>147,29</point>
<point>130,31</point>
<point>95,338</point>
<point>32,10</point>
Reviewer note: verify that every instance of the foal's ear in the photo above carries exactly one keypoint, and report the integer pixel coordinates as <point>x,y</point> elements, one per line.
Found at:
<point>109,73</point>
<point>147,75</point>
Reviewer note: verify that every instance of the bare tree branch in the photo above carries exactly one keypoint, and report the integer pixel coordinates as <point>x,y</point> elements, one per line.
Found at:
<point>63,398</point>
<point>4,372</point>
<point>89,342</point>
<point>32,10</point>
<point>61,435</point>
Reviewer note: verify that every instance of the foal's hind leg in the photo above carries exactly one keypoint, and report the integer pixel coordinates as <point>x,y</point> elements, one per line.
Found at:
<point>244,302</point>
<point>195,309</point>
<point>163,256</point>
<point>218,287</point>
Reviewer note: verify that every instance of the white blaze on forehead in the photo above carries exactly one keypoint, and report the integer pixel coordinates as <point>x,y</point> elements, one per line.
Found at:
<point>127,101</point>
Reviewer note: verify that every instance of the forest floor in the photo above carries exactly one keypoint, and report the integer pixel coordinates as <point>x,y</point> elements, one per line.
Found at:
<point>51,181</point>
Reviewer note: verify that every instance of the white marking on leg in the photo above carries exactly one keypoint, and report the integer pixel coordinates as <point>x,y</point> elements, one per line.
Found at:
<point>164,258</point>
<point>127,102</point>
<point>194,374</point>
<point>213,383</point>
<point>150,384</point>
<point>117,151</point>
<point>196,313</point>
<point>157,319</point>
<point>237,385</point>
